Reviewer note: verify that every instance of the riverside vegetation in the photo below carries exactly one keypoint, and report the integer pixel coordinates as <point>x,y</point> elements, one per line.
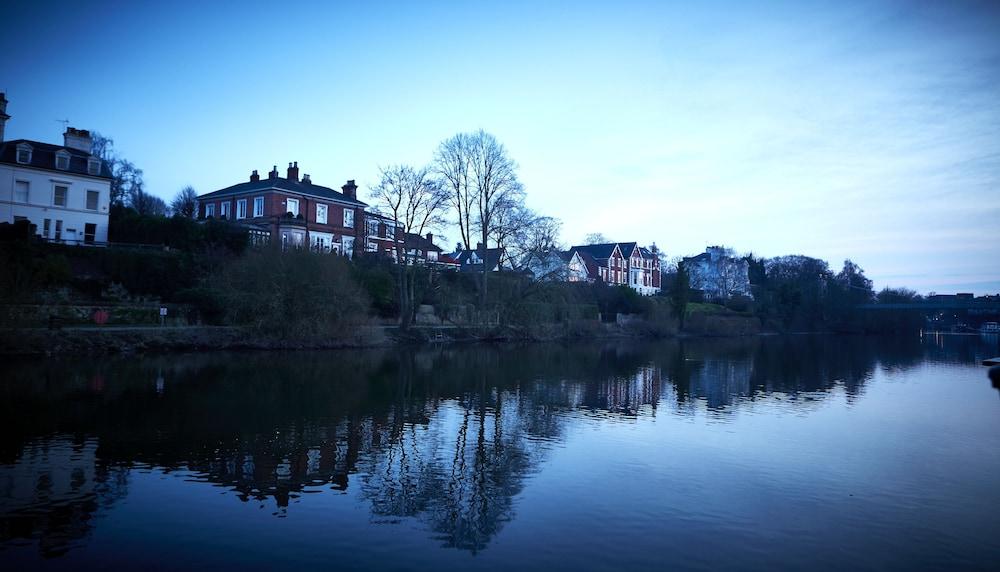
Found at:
<point>206,276</point>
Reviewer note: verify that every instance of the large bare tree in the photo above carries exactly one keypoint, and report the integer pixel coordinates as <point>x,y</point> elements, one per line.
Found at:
<point>416,202</point>
<point>482,181</point>
<point>185,202</point>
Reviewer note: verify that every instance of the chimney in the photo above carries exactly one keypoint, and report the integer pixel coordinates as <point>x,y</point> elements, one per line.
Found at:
<point>430,237</point>
<point>78,139</point>
<point>350,189</point>
<point>3,114</point>
<point>479,246</point>
<point>293,171</point>
<point>306,179</point>
<point>254,177</point>
<point>274,173</point>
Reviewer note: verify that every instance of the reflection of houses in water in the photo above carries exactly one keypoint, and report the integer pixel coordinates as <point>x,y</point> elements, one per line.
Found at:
<point>53,491</point>
<point>626,394</point>
<point>721,382</point>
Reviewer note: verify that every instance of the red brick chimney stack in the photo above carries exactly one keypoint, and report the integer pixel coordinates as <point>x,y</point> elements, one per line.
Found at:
<point>254,177</point>
<point>293,171</point>
<point>350,189</point>
<point>274,173</point>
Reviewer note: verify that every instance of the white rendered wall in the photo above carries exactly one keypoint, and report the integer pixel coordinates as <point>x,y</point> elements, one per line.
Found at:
<point>40,205</point>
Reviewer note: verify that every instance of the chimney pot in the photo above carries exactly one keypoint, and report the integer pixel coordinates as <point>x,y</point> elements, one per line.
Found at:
<point>293,171</point>
<point>306,179</point>
<point>274,173</point>
<point>78,139</point>
<point>254,177</point>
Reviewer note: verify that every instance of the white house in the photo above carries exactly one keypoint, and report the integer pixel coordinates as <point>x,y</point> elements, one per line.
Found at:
<point>719,274</point>
<point>62,190</point>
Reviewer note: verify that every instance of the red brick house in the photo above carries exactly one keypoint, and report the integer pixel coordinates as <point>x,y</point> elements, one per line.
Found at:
<point>292,212</point>
<point>622,263</point>
<point>383,235</point>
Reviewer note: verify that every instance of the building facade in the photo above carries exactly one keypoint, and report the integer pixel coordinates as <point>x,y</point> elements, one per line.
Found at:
<point>292,212</point>
<point>719,274</point>
<point>622,264</point>
<point>62,190</point>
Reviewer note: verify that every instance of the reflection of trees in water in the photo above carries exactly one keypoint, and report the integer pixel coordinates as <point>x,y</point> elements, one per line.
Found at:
<point>54,491</point>
<point>447,436</point>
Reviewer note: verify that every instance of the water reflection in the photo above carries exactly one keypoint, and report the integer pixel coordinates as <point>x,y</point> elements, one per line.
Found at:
<point>448,437</point>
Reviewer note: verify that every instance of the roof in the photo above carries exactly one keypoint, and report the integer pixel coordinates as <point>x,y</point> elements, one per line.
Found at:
<point>596,251</point>
<point>492,257</point>
<point>415,241</point>
<point>43,156</point>
<point>283,184</point>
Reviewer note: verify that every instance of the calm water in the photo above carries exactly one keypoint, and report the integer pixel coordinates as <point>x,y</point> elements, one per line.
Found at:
<point>813,453</point>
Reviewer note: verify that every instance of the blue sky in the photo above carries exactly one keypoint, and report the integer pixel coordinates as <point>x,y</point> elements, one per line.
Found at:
<point>868,131</point>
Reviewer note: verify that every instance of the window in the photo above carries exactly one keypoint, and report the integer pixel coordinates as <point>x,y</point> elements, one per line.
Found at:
<point>292,206</point>
<point>46,228</point>
<point>371,246</point>
<point>321,214</point>
<point>209,210</point>
<point>258,206</point>
<point>372,227</point>
<point>23,154</point>
<point>348,242</point>
<point>59,198</point>
<point>89,232</point>
<point>62,160</point>
<point>94,166</point>
<point>224,209</point>
<point>349,218</point>
<point>241,208</point>
<point>390,231</point>
<point>93,197</point>
<point>58,230</point>
<point>20,191</point>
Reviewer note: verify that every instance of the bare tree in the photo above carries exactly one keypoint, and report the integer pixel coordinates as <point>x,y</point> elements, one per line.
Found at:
<point>125,176</point>
<point>145,203</point>
<point>482,179</point>
<point>596,238</point>
<point>452,163</point>
<point>185,202</point>
<point>415,202</point>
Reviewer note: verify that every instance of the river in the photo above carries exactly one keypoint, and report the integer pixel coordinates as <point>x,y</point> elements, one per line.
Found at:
<point>804,452</point>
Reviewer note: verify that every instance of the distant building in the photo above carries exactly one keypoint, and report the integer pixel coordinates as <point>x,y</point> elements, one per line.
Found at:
<point>292,212</point>
<point>422,250</point>
<point>719,274</point>
<point>383,235</point>
<point>557,266</point>
<point>623,264</point>
<point>473,260</point>
<point>62,190</point>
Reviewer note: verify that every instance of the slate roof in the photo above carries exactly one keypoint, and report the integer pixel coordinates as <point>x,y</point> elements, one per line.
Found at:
<point>596,251</point>
<point>283,184</point>
<point>415,241</point>
<point>492,256</point>
<point>43,156</point>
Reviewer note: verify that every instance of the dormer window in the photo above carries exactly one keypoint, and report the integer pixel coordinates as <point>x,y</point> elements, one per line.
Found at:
<point>62,160</point>
<point>24,153</point>
<point>93,166</point>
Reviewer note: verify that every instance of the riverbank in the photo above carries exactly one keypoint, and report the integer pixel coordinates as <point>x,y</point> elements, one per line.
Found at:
<point>85,340</point>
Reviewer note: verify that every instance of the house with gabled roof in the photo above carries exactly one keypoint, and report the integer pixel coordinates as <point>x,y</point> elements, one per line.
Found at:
<point>292,212</point>
<point>62,191</point>
<point>557,266</point>
<point>473,260</point>
<point>623,264</point>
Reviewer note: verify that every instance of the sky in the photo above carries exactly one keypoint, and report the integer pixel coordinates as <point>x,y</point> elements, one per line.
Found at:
<point>867,130</point>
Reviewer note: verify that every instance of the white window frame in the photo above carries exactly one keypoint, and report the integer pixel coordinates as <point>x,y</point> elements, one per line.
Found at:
<point>93,166</point>
<point>27,192</point>
<point>322,208</point>
<point>224,210</point>
<point>241,209</point>
<point>347,242</point>
<point>288,206</point>
<point>64,156</point>
<point>348,217</point>
<point>372,227</point>
<point>390,232</point>
<point>258,207</point>
<point>23,148</point>
<point>210,210</point>
<point>97,201</point>
<point>55,195</point>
